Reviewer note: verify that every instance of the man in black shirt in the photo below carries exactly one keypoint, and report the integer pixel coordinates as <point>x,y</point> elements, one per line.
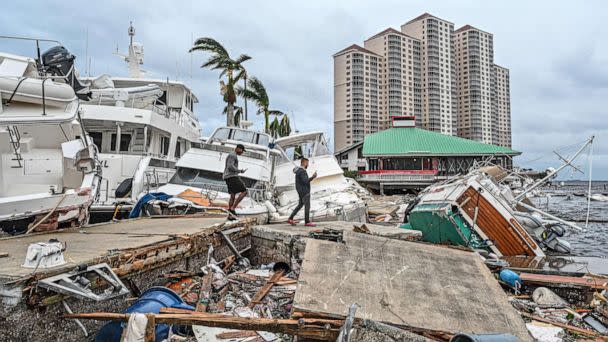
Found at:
<point>303,189</point>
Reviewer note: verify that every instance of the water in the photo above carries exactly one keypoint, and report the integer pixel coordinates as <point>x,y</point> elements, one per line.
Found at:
<point>563,203</point>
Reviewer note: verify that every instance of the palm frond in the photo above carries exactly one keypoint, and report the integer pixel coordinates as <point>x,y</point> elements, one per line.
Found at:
<point>258,88</point>
<point>242,58</point>
<point>275,112</point>
<point>209,45</point>
<point>213,62</point>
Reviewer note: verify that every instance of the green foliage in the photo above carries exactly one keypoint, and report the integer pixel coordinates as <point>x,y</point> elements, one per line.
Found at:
<point>256,92</point>
<point>231,69</point>
<point>351,174</point>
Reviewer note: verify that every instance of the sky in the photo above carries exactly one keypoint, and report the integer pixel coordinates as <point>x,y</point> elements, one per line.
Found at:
<point>555,51</point>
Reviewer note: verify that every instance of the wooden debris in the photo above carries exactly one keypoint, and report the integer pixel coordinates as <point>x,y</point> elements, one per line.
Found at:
<point>563,281</point>
<point>257,298</point>
<point>236,334</point>
<point>286,326</point>
<point>361,229</point>
<point>150,328</point>
<point>561,325</point>
<point>204,292</point>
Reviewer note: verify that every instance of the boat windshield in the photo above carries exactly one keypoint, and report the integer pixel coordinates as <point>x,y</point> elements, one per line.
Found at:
<point>241,135</point>
<point>204,179</point>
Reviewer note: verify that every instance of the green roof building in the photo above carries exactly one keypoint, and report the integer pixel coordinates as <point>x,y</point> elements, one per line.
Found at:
<point>405,157</point>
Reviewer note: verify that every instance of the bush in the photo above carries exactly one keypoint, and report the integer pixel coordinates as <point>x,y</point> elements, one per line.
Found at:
<point>351,174</point>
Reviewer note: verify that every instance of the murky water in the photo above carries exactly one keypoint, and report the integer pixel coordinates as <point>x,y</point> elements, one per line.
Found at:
<point>564,203</point>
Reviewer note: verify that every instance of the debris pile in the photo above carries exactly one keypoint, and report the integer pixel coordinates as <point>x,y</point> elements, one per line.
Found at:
<point>558,307</point>
<point>388,209</point>
<point>238,290</point>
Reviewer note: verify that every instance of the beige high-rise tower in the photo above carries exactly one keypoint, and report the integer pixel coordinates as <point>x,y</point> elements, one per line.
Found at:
<point>356,95</point>
<point>438,71</point>
<point>447,79</point>
<point>474,61</point>
<point>501,129</point>
<point>400,76</point>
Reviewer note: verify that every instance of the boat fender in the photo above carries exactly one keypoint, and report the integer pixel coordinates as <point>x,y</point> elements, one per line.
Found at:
<point>510,278</point>
<point>124,189</point>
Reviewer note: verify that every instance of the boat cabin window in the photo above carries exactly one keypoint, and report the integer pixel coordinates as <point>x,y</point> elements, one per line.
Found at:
<point>204,179</point>
<point>164,146</point>
<point>189,101</point>
<point>125,141</point>
<point>97,139</point>
<point>222,134</point>
<point>178,149</point>
<point>244,136</point>
<point>263,139</point>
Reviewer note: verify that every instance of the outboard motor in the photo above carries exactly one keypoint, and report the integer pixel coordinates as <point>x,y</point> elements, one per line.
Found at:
<point>552,240</point>
<point>58,61</point>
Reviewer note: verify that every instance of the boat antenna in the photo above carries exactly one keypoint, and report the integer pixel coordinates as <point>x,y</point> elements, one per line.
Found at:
<point>191,41</point>
<point>589,188</point>
<point>86,53</point>
<point>567,162</point>
<point>136,54</point>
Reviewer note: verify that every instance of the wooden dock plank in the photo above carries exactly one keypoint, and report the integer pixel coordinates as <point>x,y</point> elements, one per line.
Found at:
<point>412,284</point>
<point>83,247</point>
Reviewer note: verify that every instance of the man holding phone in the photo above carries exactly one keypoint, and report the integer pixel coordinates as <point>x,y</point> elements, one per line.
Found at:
<point>303,189</point>
<point>233,180</point>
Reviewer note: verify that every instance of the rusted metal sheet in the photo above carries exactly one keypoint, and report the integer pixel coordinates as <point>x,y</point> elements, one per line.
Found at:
<point>508,236</point>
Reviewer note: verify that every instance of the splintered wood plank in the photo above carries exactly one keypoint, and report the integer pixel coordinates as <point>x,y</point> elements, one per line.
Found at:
<point>257,298</point>
<point>406,283</point>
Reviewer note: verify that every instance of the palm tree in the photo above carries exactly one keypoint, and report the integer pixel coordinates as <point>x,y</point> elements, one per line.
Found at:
<point>280,128</point>
<point>232,69</point>
<point>257,93</point>
<point>238,114</point>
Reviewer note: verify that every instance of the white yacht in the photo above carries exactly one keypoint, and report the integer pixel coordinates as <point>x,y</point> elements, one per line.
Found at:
<point>49,170</point>
<point>198,182</point>
<point>141,127</point>
<point>333,196</point>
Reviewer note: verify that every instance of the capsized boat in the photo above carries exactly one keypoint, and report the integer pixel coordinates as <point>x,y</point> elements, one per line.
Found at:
<point>480,210</point>
<point>49,170</point>
<point>333,196</point>
<point>198,185</point>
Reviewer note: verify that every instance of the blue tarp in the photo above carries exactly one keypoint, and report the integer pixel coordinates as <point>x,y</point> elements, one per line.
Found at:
<point>136,211</point>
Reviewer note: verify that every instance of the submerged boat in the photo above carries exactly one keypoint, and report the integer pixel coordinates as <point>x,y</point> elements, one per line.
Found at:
<point>49,168</point>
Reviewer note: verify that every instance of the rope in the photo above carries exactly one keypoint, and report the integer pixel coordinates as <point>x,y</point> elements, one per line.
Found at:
<point>47,215</point>
<point>15,91</point>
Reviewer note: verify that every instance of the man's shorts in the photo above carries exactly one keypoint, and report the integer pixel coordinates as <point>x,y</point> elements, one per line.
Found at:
<point>235,185</point>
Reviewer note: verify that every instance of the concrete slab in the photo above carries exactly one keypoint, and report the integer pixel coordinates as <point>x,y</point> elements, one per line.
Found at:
<point>99,239</point>
<point>286,231</point>
<point>406,283</point>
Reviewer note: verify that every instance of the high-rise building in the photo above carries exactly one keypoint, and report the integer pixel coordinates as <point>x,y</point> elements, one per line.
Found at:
<point>400,74</point>
<point>474,65</point>
<point>356,95</point>
<point>502,107</point>
<point>446,79</point>
<point>438,71</point>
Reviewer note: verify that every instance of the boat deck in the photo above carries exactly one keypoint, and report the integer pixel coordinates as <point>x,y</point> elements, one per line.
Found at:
<point>88,243</point>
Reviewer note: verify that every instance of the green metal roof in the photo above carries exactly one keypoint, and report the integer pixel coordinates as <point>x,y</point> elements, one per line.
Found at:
<point>420,142</point>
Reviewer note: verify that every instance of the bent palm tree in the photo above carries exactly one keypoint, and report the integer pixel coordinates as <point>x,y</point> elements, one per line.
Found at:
<point>230,68</point>
<point>257,93</point>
